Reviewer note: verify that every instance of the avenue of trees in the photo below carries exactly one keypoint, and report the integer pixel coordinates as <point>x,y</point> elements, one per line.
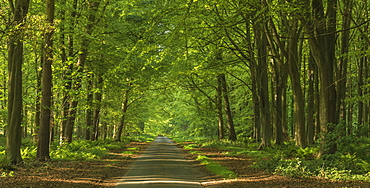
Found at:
<point>270,71</point>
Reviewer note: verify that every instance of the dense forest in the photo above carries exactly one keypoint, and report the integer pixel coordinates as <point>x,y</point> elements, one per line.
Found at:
<point>265,71</point>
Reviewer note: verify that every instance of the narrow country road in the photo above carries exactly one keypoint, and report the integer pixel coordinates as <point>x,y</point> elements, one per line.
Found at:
<point>161,165</point>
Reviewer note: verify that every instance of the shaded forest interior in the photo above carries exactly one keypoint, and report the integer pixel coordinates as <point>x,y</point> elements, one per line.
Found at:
<point>269,74</point>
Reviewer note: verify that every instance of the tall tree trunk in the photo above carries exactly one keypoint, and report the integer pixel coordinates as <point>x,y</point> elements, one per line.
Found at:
<point>317,102</point>
<point>341,76</point>
<point>221,131</point>
<point>104,131</point>
<point>25,124</point>
<point>89,110</point>
<point>38,93</point>
<point>15,62</point>
<point>360,92</point>
<point>279,96</point>
<point>229,118</point>
<point>80,66</point>
<point>262,84</point>
<point>311,101</point>
<point>290,51</point>
<point>322,42</point>
<point>46,87</point>
<point>118,133</point>
<point>97,107</point>
<point>256,110</point>
<point>280,104</point>
<point>299,107</point>
<point>67,73</point>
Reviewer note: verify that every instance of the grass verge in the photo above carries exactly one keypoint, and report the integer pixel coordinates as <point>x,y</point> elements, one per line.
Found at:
<point>216,168</point>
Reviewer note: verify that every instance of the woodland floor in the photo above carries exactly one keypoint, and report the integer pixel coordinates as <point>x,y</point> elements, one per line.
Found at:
<point>253,178</point>
<point>106,173</point>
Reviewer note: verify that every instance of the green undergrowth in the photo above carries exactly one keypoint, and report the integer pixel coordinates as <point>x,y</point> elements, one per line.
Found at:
<point>84,149</point>
<point>141,138</point>
<point>350,163</point>
<point>74,151</point>
<point>131,151</point>
<point>211,165</point>
<point>216,168</point>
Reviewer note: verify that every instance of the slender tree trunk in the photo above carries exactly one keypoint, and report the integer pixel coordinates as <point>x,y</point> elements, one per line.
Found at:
<point>97,107</point>
<point>343,60</point>
<point>15,62</point>
<point>80,66</point>
<point>291,52</point>
<point>280,106</point>
<point>221,130</point>
<point>317,103</point>
<point>311,101</point>
<point>38,94</point>
<point>229,118</point>
<point>118,133</point>
<point>279,95</point>
<point>256,111</point>
<point>89,110</point>
<point>67,73</point>
<point>25,124</point>
<point>104,131</point>
<point>65,129</point>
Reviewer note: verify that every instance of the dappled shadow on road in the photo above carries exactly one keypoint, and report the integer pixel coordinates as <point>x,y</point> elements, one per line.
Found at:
<point>161,165</point>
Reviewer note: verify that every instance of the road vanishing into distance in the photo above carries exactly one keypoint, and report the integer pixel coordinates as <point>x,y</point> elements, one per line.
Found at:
<point>163,164</point>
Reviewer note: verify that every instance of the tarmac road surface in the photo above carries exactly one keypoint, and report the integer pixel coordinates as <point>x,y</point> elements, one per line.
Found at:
<point>161,165</point>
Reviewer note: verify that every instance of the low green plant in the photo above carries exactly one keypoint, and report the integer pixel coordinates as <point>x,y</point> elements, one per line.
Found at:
<point>191,146</point>
<point>114,146</point>
<point>129,152</point>
<point>291,168</point>
<point>29,152</point>
<point>141,138</point>
<point>132,148</point>
<point>216,168</point>
<point>7,174</point>
<point>195,152</point>
<point>81,150</point>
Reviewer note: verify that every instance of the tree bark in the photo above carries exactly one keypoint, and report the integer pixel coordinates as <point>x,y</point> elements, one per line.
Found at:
<point>229,118</point>
<point>80,66</point>
<point>97,107</point>
<point>321,29</point>
<point>260,68</point>
<point>89,110</point>
<point>46,87</point>
<point>15,62</point>
<point>66,102</point>
<point>280,106</point>
<point>117,136</point>
<point>311,101</point>
<point>221,131</point>
<point>343,60</point>
<point>299,107</point>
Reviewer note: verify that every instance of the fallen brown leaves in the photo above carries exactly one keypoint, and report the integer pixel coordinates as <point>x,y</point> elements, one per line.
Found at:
<point>252,177</point>
<point>77,174</point>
